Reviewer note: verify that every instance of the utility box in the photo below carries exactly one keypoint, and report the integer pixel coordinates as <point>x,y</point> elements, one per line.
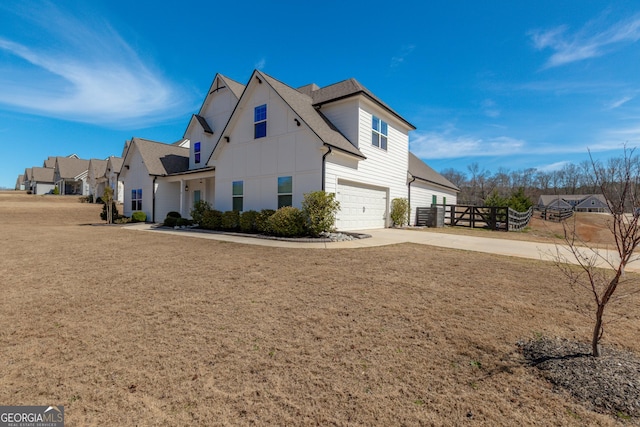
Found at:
<point>430,217</point>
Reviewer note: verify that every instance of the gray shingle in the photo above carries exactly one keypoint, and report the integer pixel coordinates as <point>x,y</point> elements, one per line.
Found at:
<point>162,159</point>
<point>71,167</point>
<point>43,175</point>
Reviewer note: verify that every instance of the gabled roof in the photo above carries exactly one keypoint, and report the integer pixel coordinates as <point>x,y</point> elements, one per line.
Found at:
<point>71,167</point>
<point>420,170</point>
<point>27,174</point>
<point>234,86</point>
<point>599,198</point>
<point>44,175</point>
<point>159,158</point>
<point>302,105</point>
<point>98,167</point>
<point>346,89</point>
<point>115,163</point>
<point>50,162</point>
<point>19,181</point>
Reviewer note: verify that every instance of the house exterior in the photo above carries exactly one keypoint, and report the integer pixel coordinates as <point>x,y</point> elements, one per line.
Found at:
<point>576,202</point>
<point>70,175</point>
<point>27,179</point>
<point>41,180</point>
<point>114,165</point>
<point>20,183</point>
<point>96,178</point>
<point>144,162</point>
<point>264,145</point>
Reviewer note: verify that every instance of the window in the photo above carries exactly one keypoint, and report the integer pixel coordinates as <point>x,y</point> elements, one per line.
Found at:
<point>196,152</point>
<point>379,130</point>
<point>444,200</point>
<point>238,193</point>
<point>260,121</point>
<point>136,199</point>
<point>196,196</point>
<point>434,200</point>
<point>285,191</point>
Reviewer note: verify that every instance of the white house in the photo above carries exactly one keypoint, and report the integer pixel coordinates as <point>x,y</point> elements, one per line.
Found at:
<point>41,180</point>
<point>70,175</point>
<point>114,165</point>
<point>264,145</point>
<point>19,183</point>
<point>96,179</point>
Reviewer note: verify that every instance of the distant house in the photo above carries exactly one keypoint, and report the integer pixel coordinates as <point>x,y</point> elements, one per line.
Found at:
<point>114,165</point>
<point>576,202</point>
<point>70,175</point>
<point>27,179</point>
<point>96,178</point>
<point>20,183</point>
<point>41,180</point>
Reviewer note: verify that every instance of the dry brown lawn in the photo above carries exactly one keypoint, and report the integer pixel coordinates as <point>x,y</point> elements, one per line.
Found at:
<point>132,328</point>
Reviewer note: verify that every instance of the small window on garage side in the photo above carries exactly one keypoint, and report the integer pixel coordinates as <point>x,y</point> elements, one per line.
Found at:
<point>196,152</point>
<point>434,200</point>
<point>136,199</point>
<point>260,121</point>
<point>444,200</point>
<point>285,191</point>
<point>379,133</point>
<point>238,195</point>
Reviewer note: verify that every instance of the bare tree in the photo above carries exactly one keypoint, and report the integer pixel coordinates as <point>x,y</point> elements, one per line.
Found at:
<point>619,183</point>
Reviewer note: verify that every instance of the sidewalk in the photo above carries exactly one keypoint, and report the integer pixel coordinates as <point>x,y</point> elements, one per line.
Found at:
<point>392,236</point>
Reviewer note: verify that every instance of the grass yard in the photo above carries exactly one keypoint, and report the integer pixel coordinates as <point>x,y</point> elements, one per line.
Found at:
<point>131,328</point>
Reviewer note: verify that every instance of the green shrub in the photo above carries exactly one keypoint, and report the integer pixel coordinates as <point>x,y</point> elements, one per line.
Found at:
<point>171,221</point>
<point>319,210</point>
<point>399,211</point>
<point>199,208</point>
<point>230,220</point>
<point>56,191</point>
<point>248,221</point>
<point>114,212</point>
<point>262,220</point>
<point>174,214</point>
<point>287,222</point>
<point>183,222</point>
<point>519,201</point>
<point>211,220</point>
<point>138,216</point>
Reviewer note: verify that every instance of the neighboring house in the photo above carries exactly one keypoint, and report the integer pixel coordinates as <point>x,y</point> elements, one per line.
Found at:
<point>265,144</point>
<point>144,162</point>
<point>41,180</point>
<point>70,175</point>
<point>20,183</point>
<point>96,178</point>
<point>27,179</point>
<point>576,202</point>
<point>114,164</point>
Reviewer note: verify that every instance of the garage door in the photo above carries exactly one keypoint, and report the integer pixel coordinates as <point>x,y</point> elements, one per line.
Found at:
<point>361,206</point>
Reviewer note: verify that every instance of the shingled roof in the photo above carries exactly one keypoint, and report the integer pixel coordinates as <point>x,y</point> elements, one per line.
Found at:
<point>162,159</point>
<point>234,86</point>
<point>19,181</point>
<point>420,170</point>
<point>44,175</point>
<point>345,89</point>
<point>71,167</point>
<point>99,167</point>
<point>116,163</point>
<point>302,105</point>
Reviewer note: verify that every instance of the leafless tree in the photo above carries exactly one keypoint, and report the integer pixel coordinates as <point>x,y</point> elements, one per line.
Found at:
<point>599,275</point>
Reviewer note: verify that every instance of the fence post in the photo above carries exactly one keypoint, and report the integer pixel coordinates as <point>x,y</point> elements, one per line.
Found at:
<point>508,212</point>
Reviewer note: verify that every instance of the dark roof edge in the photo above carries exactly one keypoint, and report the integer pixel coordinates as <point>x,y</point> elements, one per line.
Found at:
<point>434,182</point>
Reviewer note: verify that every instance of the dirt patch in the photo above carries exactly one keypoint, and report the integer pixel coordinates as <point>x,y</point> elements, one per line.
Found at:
<point>132,328</point>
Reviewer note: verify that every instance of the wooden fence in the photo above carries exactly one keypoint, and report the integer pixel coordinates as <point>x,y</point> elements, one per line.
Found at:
<point>499,218</point>
<point>551,214</point>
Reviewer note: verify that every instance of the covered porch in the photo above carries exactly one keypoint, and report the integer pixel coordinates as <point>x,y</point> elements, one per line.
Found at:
<point>193,186</point>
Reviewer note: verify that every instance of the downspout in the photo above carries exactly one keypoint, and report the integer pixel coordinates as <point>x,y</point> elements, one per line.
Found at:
<point>413,178</point>
<point>324,168</point>
<point>153,206</point>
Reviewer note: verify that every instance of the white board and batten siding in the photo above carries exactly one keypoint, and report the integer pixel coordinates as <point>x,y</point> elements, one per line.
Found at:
<point>167,198</point>
<point>287,150</point>
<point>365,188</point>
<point>134,178</point>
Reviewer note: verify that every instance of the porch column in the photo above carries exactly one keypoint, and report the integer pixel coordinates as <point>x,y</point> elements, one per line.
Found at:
<point>182,198</point>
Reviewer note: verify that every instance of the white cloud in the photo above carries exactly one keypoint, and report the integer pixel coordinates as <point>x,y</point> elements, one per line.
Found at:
<point>585,43</point>
<point>552,167</point>
<point>85,72</point>
<point>490,109</point>
<point>404,52</point>
<point>619,102</point>
<point>451,144</point>
<point>260,64</point>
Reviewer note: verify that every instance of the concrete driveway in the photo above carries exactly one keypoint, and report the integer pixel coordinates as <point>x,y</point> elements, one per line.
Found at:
<point>391,236</point>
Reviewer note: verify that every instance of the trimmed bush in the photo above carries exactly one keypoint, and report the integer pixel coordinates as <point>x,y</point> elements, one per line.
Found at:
<point>248,221</point>
<point>211,220</point>
<point>174,214</point>
<point>138,216</point>
<point>230,220</point>
<point>287,222</point>
<point>171,221</point>
<point>399,211</point>
<point>114,212</point>
<point>319,209</point>
<point>262,220</point>
<point>56,191</point>
<point>199,208</point>
<point>183,222</point>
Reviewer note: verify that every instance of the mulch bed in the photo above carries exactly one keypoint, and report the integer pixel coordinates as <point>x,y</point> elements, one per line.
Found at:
<point>609,383</point>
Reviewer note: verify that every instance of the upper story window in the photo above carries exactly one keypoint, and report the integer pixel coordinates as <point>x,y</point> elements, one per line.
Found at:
<point>196,152</point>
<point>379,131</point>
<point>260,121</point>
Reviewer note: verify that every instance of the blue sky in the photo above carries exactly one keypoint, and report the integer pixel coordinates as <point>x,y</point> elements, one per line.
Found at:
<point>502,83</point>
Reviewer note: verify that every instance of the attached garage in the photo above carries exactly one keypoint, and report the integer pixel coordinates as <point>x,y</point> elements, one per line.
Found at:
<point>362,206</point>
